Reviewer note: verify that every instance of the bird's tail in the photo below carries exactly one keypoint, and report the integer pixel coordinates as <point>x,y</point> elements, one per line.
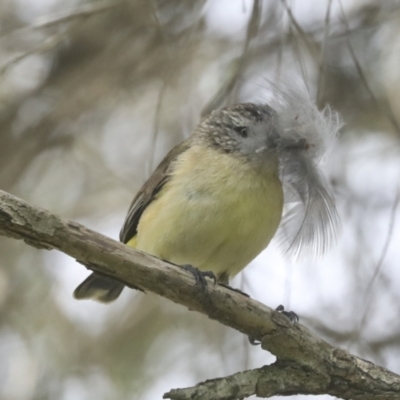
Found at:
<point>99,287</point>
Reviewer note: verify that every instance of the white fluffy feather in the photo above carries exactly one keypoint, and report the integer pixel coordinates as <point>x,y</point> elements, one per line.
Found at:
<point>305,134</point>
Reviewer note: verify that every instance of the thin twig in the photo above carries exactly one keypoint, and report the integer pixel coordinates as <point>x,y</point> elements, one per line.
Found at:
<point>321,71</point>
<point>239,64</point>
<point>379,265</point>
<point>83,11</point>
<point>384,110</point>
<point>48,44</point>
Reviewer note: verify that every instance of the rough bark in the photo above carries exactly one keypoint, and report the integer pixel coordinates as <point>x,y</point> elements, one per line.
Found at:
<point>305,364</point>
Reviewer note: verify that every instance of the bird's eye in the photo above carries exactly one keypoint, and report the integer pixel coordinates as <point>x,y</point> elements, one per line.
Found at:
<point>243,131</point>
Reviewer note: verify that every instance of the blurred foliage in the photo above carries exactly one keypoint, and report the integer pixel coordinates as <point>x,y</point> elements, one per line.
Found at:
<point>93,95</point>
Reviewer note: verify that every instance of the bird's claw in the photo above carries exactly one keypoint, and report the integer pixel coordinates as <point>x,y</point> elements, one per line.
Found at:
<point>292,316</point>
<point>200,276</point>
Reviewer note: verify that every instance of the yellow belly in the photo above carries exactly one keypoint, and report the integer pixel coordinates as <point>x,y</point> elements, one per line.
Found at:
<point>216,216</point>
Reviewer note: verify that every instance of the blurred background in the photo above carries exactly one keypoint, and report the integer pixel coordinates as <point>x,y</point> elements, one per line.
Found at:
<point>92,96</point>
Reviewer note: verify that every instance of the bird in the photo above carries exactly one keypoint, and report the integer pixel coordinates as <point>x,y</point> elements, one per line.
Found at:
<point>249,172</point>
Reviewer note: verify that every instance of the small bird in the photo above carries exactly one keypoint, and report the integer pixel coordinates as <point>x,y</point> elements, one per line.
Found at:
<point>217,199</point>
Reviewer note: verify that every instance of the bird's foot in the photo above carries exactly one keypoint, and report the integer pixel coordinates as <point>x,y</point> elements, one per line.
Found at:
<point>293,317</point>
<point>200,276</point>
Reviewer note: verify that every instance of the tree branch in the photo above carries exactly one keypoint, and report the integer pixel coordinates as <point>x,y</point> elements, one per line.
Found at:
<point>305,363</point>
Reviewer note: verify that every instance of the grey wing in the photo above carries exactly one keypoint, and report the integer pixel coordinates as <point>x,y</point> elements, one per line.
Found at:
<point>149,192</point>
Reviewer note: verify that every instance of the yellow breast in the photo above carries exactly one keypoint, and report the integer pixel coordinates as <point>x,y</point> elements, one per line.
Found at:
<point>216,213</point>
